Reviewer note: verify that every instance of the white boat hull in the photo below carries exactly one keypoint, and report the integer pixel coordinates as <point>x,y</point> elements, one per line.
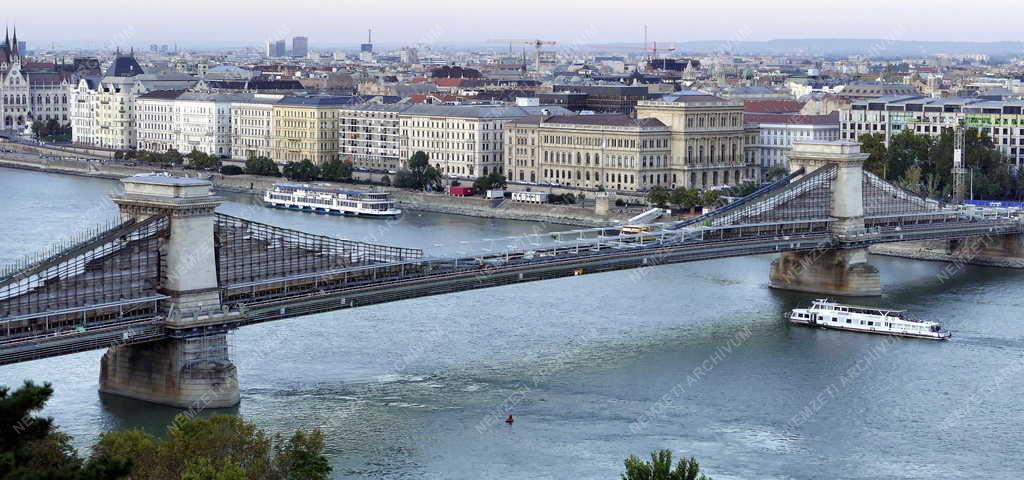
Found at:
<point>825,314</point>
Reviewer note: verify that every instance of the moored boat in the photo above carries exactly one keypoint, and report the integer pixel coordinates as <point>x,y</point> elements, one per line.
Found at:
<point>825,313</point>
<point>331,201</point>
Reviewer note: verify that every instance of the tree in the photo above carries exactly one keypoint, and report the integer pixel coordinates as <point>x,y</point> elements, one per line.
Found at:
<point>911,180</point>
<point>660,468</point>
<point>301,171</point>
<point>337,170</point>
<point>202,160</point>
<point>173,157</point>
<point>32,448</point>
<point>709,198</point>
<point>905,149</point>
<point>873,144</point>
<point>490,181</point>
<point>659,196</point>
<point>386,180</point>
<point>52,128</point>
<point>261,166</point>
<point>39,129</point>
<point>220,447</point>
<point>776,173</point>
<point>420,175</point>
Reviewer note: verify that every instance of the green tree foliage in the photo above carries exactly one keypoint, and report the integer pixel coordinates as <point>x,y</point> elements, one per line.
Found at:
<point>261,166</point>
<point>490,181</point>
<point>912,180</point>
<point>709,198</point>
<point>173,157</point>
<point>301,171</point>
<point>906,149</point>
<point>220,447</point>
<point>420,175</point>
<point>50,129</point>
<point>923,164</point>
<point>337,170</point>
<point>685,198</point>
<point>776,173</point>
<point>202,161</point>
<point>32,448</point>
<point>660,468</point>
<point>873,144</point>
<point>659,196</point>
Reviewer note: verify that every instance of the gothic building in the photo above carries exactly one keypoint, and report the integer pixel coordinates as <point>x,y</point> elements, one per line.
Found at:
<point>31,91</point>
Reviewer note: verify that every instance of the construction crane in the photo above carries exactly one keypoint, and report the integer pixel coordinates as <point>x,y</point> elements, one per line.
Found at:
<point>537,45</point>
<point>959,172</point>
<point>652,61</point>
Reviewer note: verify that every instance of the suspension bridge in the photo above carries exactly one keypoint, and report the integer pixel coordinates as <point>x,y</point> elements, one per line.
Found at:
<point>161,287</point>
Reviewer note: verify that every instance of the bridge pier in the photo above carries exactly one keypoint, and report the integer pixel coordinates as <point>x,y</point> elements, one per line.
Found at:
<point>192,369</point>
<point>844,273</point>
<point>843,269</point>
<point>184,373</point>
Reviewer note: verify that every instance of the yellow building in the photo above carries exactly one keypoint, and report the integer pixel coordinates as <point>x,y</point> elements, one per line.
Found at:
<point>306,128</point>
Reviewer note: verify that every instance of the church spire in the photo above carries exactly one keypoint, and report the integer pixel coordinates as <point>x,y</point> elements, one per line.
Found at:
<point>14,45</point>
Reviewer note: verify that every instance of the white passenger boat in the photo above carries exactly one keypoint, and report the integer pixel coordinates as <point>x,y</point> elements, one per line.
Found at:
<point>828,314</point>
<point>331,201</point>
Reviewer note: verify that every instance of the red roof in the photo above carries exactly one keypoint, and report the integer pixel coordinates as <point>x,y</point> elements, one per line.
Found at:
<point>772,106</point>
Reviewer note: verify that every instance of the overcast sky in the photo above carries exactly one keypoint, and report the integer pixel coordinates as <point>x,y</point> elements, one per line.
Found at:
<point>102,23</point>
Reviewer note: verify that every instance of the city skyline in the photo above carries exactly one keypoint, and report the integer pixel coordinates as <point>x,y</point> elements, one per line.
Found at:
<point>333,24</point>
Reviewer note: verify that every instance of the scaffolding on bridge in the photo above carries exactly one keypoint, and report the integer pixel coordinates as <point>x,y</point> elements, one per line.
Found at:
<point>248,251</point>
<point>110,276</point>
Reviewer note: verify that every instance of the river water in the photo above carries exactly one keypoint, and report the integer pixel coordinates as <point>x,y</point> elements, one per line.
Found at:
<point>690,357</point>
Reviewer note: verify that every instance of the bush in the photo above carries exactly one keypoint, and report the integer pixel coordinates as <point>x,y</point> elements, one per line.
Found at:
<point>261,166</point>
<point>619,202</point>
<point>301,171</point>
<point>231,170</point>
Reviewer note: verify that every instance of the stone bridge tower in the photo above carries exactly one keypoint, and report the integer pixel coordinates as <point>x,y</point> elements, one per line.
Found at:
<point>843,270</point>
<point>192,369</point>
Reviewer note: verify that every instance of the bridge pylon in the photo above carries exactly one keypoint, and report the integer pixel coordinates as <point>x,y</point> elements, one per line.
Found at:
<point>191,368</point>
<point>841,268</point>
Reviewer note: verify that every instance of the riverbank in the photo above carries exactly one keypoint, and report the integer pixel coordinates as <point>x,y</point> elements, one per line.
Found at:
<point>935,251</point>
<point>576,216</point>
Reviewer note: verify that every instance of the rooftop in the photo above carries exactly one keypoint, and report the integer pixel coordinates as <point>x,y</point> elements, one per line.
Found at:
<point>482,111</point>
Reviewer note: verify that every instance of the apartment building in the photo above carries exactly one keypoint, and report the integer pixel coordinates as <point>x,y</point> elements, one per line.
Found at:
<point>306,128</point>
<point>154,121</point>
<point>252,122</point>
<point>618,152</point>
<point>370,136</point>
<point>462,140</point>
<point>775,134</point>
<point>103,113</point>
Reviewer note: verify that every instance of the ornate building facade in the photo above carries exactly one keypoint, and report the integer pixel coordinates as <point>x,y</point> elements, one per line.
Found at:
<point>31,91</point>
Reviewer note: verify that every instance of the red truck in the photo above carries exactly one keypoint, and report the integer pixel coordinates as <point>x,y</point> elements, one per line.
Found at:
<point>460,191</point>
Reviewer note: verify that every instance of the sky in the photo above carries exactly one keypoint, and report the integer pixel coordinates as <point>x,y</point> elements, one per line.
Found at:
<point>334,23</point>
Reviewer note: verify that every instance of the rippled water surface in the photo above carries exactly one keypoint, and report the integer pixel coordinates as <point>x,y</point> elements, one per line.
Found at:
<point>690,357</point>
